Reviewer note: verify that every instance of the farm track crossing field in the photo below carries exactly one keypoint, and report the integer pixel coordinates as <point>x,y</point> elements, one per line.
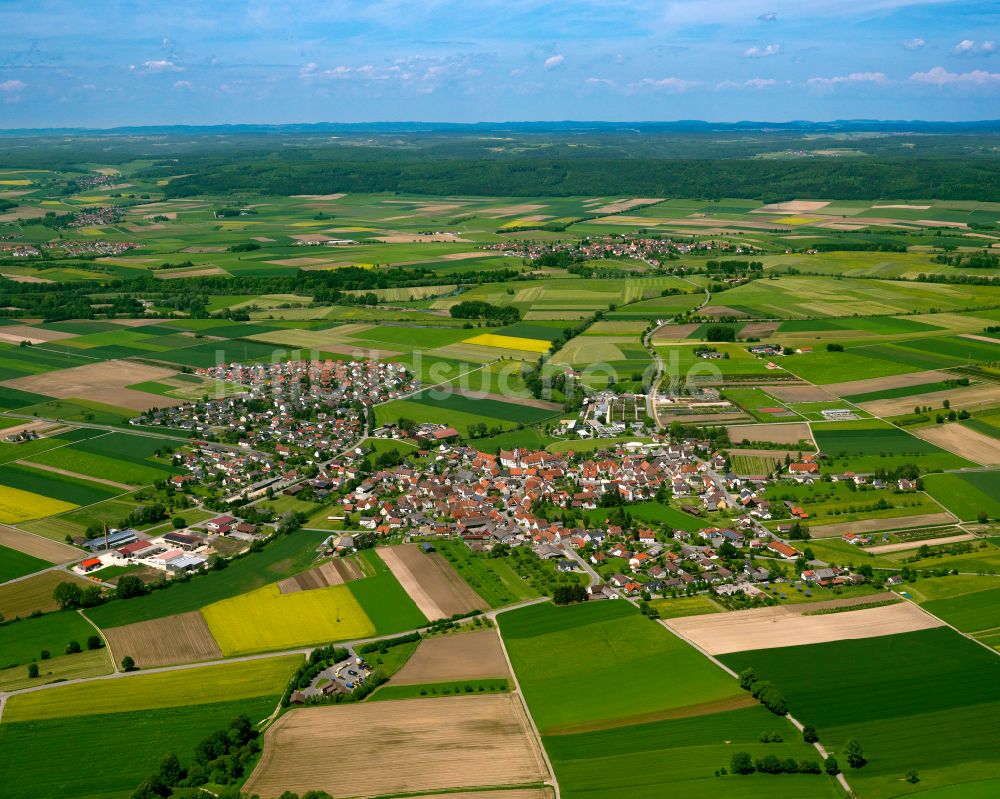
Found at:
<point>463,656</point>
<point>547,644</point>
<point>267,619</point>
<point>164,642</point>
<point>927,702</point>
<point>491,733</point>
<point>784,625</point>
<point>430,581</point>
<point>33,754</point>
<point>384,600</point>
<point>165,689</point>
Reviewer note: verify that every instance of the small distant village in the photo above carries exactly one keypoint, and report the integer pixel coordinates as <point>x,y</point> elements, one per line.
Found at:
<point>650,249</point>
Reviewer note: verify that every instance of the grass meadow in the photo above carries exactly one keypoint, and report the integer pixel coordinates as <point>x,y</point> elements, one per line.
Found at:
<point>596,665</point>
<point>923,700</point>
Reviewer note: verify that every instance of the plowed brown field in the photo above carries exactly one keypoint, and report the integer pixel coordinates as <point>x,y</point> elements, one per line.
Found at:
<point>184,638</point>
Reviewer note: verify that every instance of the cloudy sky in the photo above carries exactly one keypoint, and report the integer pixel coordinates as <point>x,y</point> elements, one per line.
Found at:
<point>119,62</point>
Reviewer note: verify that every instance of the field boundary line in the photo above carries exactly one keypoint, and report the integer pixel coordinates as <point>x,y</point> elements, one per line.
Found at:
<point>553,781</point>
<point>970,636</point>
<point>107,643</point>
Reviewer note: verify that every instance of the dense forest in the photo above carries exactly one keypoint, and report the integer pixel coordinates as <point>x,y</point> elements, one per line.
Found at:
<point>767,180</point>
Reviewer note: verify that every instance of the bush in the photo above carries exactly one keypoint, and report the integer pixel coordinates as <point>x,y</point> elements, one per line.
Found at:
<point>809,734</point>
<point>741,763</point>
<point>95,642</point>
<point>830,766</point>
<point>73,647</point>
<point>128,664</point>
<point>32,671</point>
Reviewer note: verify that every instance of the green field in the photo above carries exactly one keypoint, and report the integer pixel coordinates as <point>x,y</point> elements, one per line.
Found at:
<point>164,689</point>
<point>926,702</point>
<point>967,494</point>
<point>22,641</point>
<point>35,756</point>
<point>562,655</point>
<point>868,444</point>
<point>17,564</point>
<point>686,753</point>
<point>52,484</point>
<point>385,602</point>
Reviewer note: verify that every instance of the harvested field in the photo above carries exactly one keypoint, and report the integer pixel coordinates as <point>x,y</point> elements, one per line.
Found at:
<point>36,546</point>
<point>201,271</point>
<point>876,525</point>
<point>527,401</point>
<point>792,206</point>
<point>905,545</point>
<point>785,625</point>
<point>334,572</point>
<point>325,197</point>
<point>463,656</point>
<point>760,329</point>
<point>960,398</point>
<point>361,351</point>
<point>106,380</point>
<point>674,332</point>
<point>618,206</point>
<point>36,335</point>
<point>25,278</point>
<point>790,433</point>
<point>24,597</point>
<point>184,638</point>
<point>508,793</point>
<point>722,310</point>
<point>408,238</point>
<point>438,744</point>
<point>963,441</point>
<point>852,387</point>
<point>430,581</point>
<point>800,393</point>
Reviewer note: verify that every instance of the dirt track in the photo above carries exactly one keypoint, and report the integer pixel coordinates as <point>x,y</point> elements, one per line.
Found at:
<point>436,745</point>
<point>462,656</point>
<point>785,625</point>
<point>904,545</point>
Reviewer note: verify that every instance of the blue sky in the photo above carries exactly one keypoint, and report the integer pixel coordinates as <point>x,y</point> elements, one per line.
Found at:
<point>119,62</point>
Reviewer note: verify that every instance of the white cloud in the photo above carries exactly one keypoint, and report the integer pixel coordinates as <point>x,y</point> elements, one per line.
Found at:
<point>554,61</point>
<point>854,77</point>
<point>671,85</point>
<point>422,73</point>
<point>12,86</point>
<point>753,83</point>
<point>770,16</point>
<point>971,47</point>
<point>160,65</point>
<point>183,84</point>
<point>914,44</point>
<point>599,82</point>
<point>762,52</point>
<point>939,76</point>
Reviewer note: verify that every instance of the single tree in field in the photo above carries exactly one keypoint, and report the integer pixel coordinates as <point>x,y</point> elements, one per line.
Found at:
<point>809,734</point>
<point>32,671</point>
<point>128,664</point>
<point>854,753</point>
<point>67,595</point>
<point>73,647</point>
<point>831,766</point>
<point>747,678</point>
<point>95,642</point>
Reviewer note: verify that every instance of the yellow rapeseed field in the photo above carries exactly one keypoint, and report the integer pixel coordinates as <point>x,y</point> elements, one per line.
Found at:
<point>20,506</point>
<point>509,342</point>
<point>266,619</point>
